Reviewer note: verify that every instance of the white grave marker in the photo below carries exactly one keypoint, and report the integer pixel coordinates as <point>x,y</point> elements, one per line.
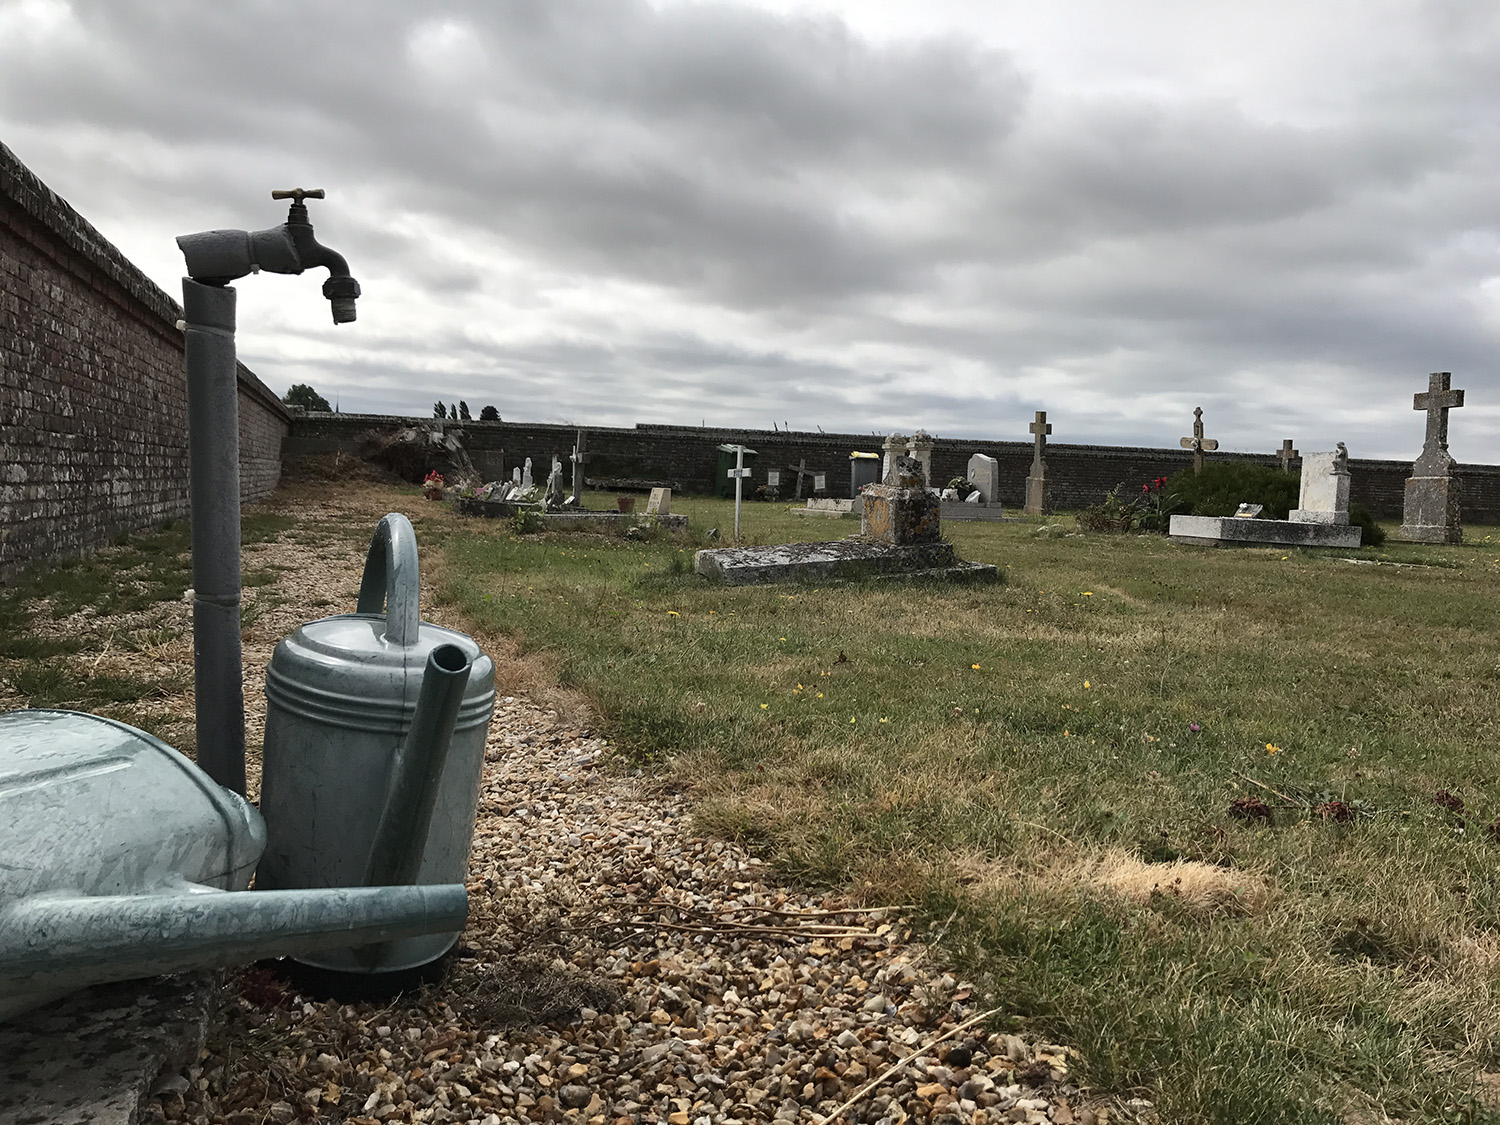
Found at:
<point>738,475</point>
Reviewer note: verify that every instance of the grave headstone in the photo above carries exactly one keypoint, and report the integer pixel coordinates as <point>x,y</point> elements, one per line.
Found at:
<point>902,511</point>
<point>1431,511</point>
<point>515,476</point>
<point>660,503</point>
<point>1036,483</point>
<point>1198,443</point>
<point>1325,488</point>
<point>1286,455</point>
<point>984,474</point>
<point>526,481</point>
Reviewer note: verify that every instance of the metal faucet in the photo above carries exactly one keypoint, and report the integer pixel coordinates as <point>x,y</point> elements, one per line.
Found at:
<point>217,257</point>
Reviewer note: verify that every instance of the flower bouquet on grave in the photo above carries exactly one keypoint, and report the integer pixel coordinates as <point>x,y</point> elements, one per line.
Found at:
<point>432,485</point>
<point>963,486</point>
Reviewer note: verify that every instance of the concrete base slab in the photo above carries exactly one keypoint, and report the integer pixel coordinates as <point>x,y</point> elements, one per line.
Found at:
<point>95,1056</point>
<point>578,521</point>
<point>989,513</point>
<point>1227,531</point>
<point>828,508</point>
<point>843,560</point>
<point>573,519</point>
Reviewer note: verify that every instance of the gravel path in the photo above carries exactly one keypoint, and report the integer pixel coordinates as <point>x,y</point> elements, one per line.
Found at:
<point>619,968</point>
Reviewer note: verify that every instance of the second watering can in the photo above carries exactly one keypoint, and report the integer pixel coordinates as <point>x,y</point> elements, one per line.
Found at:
<point>375,731</point>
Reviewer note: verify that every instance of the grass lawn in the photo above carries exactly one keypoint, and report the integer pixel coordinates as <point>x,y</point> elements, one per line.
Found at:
<point>1218,819</point>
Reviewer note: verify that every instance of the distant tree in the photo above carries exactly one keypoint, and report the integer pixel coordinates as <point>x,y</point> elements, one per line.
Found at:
<point>440,409</point>
<point>463,411</point>
<point>304,396</point>
<point>489,414</point>
<point>453,413</point>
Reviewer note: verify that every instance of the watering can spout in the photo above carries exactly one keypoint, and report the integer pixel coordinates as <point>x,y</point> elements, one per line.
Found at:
<point>51,945</point>
<point>417,771</point>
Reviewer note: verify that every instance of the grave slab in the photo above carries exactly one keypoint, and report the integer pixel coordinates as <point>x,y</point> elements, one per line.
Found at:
<point>833,509</point>
<point>94,1057</point>
<point>1231,531</point>
<point>842,560</point>
<point>986,513</point>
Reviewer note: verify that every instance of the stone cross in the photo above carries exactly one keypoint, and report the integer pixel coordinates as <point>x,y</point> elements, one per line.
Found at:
<point>1036,483</point>
<point>801,469</point>
<point>1286,454</point>
<point>1438,400</point>
<point>1198,443</point>
<point>1041,428</point>
<point>578,457</point>
<point>1431,511</point>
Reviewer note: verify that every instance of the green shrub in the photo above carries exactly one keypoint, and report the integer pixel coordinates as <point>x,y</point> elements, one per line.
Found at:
<point>1374,534</point>
<point>1223,486</point>
<point>527,521</point>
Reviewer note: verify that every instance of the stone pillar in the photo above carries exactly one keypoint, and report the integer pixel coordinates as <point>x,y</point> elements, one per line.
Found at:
<point>895,449</point>
<point>920,447</point>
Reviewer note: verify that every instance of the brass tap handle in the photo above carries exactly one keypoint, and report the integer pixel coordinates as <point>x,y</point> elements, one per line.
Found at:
<point>297,195</point>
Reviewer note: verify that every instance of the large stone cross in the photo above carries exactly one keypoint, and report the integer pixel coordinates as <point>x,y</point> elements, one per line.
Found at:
<point>1198,443</point>
<point>1041,428</point>
<point>1287,454</point>
<point>1437,401</point>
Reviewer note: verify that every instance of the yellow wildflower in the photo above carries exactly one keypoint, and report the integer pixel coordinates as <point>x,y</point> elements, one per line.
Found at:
<point>1270,749</point>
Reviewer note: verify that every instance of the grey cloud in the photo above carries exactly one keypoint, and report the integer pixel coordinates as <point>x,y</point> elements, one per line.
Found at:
<point>932,203</point>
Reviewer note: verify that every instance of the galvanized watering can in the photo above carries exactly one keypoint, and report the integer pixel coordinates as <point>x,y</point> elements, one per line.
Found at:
<point>116,851</point>
<point>375,730</point>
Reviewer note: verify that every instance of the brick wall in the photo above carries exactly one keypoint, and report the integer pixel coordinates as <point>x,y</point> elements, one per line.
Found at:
<point>93,415</point>
<point>1078,474</point>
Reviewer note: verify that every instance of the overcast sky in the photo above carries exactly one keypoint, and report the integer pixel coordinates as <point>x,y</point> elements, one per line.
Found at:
<point>856,214</point>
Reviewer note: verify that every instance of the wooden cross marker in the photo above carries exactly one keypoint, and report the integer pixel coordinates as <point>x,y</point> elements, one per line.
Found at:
<point>801,469</point>
<point>1041,428</point>
<point>1286,454</point>
<point>1198,443</point>
<point>1438,400</point>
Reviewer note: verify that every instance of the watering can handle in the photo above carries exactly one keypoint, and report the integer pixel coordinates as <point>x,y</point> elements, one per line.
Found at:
<point>390,582</point>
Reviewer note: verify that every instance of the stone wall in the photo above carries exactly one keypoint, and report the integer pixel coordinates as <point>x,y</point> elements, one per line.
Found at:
<point>93,412</point>
<point>1078,474</point>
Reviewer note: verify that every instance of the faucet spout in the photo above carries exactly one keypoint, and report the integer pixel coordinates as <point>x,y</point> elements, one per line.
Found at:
<point>340,289</point>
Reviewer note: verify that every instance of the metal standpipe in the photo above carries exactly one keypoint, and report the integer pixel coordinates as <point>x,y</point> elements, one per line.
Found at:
<point>214,456</point>
<point>215,258</point>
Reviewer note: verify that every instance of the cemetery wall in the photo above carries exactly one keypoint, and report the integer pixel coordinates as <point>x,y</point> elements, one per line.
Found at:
<point>1077,475</point>
<point>93,411</point>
